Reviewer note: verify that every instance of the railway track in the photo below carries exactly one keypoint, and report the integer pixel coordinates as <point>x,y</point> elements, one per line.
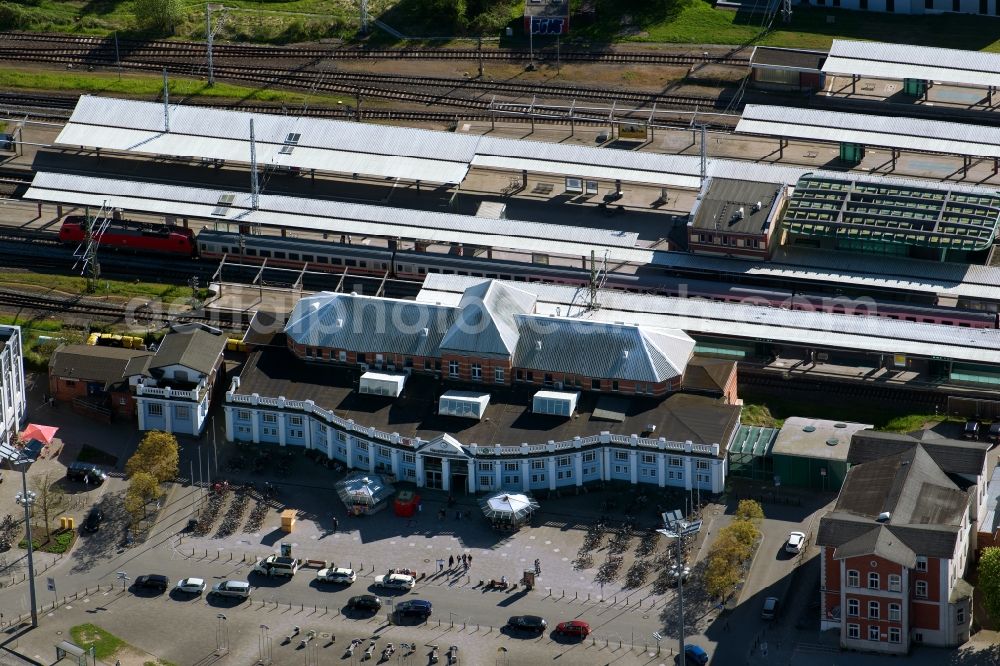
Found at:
<point>104,47</point>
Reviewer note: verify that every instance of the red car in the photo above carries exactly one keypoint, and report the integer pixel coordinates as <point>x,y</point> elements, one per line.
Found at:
<point>577,628</point>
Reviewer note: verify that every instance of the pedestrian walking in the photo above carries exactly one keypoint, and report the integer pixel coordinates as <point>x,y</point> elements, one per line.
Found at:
<point>440,565</point>
<point>458,515</point>
<point>451,561</point>
<point>470,559</point>
<point>336,524</point>
<point>465,559</point>
<point>118,662</point>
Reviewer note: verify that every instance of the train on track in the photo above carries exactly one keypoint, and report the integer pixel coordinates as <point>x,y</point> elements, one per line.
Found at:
<point>353,259</point>
<point>135,236</point>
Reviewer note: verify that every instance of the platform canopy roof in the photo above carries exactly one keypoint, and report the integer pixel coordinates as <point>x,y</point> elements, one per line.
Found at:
<point>858,209</point>
<point>334,216</point>
<point>288,141</point>
<point>750,322</point>
<point>912,134</point>
<point>880,60</point>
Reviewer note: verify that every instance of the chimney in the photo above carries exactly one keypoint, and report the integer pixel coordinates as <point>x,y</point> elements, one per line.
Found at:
<point>756,207</point>
<point>340,323</point>
<point>625,354</point>
<point>424,332</point>
<point>538,344</point>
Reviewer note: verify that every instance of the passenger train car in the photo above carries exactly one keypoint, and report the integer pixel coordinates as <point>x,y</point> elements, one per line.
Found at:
<point>133,236</point>
<point>359,259</point>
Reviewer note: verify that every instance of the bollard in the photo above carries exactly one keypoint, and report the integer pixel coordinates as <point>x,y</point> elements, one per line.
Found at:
<point>576,595</point>
<point>563,595</point>
<point>614,600</point>
<point>230,556</point>
<point>303,607</point>
<point>588,596</point>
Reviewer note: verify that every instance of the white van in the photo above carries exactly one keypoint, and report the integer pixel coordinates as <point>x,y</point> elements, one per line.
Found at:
<point>231,588</point>
<point>275,565</point>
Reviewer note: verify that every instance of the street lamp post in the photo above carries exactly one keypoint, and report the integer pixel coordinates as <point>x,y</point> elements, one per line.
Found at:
<point>678,530</point>
<point>221,635</point>
<point>264,645</point>
<point>27,499</point>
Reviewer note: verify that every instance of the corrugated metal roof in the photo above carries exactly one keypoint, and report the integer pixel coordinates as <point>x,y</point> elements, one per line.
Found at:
<point>601,349</point>
<point>751,322</point>
<point>323,144</point>
<point>892,132</point>
<point>365,323</point>
<point>486,324</point>
<point>338,216</point>
<point>583,170</point>
<point>904,61</point>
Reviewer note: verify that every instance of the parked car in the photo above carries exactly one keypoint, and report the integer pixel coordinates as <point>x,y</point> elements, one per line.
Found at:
<point>527,623</point>
<point>93,521</point>
<point>971,430</point>
<point>336,575</point>
<point>365,602</point>
<point>239,589</point>
<point>770,609</point>
<point>86,473</point>
<point>577,628</point>
<point>396,581</point>
<point>152,582</point>
<point>414,608</point>
<point>796,541</point>
<point>274,565</point>
<point>191,585</point>
<point>693,654</point>
<point>994,433</point>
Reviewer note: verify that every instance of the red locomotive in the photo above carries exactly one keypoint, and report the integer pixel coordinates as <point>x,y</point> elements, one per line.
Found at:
<point>134,236</point>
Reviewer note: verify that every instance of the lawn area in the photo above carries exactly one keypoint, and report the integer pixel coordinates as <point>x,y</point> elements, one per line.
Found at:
<point>105,644</point>
<point>683,21</point>
<point>761,409</point>
<point>70,284</point>
<point>108,646</point>
<point>146,85</point>
<point>699,22</point>
<point>58,541</point>
<point>91,455</point>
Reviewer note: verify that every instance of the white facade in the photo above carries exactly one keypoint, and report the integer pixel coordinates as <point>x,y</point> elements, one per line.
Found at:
<point>444,462</point>
<point>13,398</point>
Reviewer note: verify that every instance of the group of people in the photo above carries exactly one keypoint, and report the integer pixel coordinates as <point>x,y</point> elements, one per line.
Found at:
<point>464,561</point>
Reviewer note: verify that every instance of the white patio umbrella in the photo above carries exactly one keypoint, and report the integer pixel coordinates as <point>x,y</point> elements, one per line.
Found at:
<point>509,507</point>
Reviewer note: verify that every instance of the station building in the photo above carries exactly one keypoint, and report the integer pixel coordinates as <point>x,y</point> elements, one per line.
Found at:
<point>897,543</point>
<point>487,394</point>
<point>735,218</point>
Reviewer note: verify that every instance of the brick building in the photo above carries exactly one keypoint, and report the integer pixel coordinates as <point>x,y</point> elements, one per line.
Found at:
<point>94,379</point>
<point>486,395</point>
<point>735,218</point>
<point>895,547</point>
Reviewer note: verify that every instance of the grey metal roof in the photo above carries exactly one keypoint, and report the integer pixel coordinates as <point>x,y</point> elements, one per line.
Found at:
<point>193,347</point>
<point>486,323</point>
<point>787,59</point>
<point>719,204</point>
<point>878,541</point>
<point>904,61</point>
<point>322,144</point>
<point>601,349</point>
<point>337,216</point>
<point>752,322</point>
<point>369,324</point>
<point>951,455</point>
<point>897,273</point>
<point>916,134</point>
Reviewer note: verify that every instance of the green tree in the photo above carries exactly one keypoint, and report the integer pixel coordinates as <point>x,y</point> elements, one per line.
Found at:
<point>159,16</point>
<point>750,510</point>
<point>50,499</point>
<point>145,488</point>
<point>721,576</point>
<point>989,581</point>
<point>157,454</point>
